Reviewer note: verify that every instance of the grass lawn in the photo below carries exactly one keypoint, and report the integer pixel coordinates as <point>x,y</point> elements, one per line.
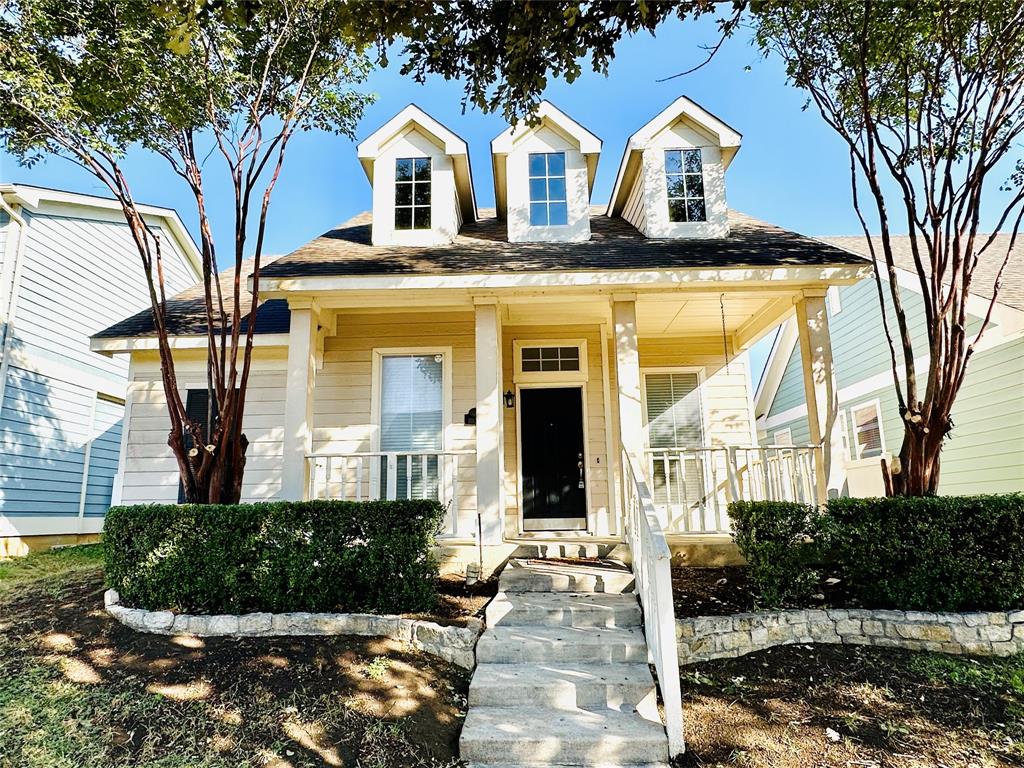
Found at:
<point>825,706</point>
<point>78,689</point>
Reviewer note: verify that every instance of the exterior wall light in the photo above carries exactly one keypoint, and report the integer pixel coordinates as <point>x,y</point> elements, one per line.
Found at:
<point>510,399</point>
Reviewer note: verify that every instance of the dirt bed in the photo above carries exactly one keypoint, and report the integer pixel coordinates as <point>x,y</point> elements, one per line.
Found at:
<point>79,689</point>
<point>724,591</point>
<point>853,707</point>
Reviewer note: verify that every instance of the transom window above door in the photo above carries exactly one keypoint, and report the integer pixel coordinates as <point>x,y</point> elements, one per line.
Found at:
<point>412,193</point>
<point>684,178</point>
<point>550,360</point>
<point>548,206</point>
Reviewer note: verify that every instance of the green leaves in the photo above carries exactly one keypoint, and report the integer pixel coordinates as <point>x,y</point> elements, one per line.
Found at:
<point>283,556</point>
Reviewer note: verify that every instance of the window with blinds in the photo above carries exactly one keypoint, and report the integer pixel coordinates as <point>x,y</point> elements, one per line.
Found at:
<point>674,422</point>
<point>411,416</point>
<point>867,431</point>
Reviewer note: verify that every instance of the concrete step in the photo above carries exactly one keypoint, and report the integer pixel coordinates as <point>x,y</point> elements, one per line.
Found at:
<point>622,687</point>
<point>567,609</point>
<point>563,765</point>
<point>568,549</point>
<point>538,736</point>
<point>530,644</point>
<point>540,576</point>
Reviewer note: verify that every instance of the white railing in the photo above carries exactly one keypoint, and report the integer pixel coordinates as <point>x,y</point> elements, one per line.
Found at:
<point>652,569</point>
<point>692,487</point>
<point>447,476</point>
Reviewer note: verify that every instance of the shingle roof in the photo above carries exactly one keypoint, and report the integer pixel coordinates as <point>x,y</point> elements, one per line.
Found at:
<point>482,247</point>
<point>1011,292</point>
<point>186,312</point>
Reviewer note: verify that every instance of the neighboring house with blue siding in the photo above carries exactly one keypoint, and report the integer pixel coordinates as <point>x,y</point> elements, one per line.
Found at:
<point>985,451</point>
<point>68,268</point>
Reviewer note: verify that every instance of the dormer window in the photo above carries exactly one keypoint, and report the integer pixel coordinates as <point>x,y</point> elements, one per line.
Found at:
<point>412,193</point>
<point>684,178</point>
<point>548,206</point>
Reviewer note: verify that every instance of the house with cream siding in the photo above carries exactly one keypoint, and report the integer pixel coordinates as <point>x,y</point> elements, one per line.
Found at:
<point>530,366</point>
<point>68,268</point>
<point>985,451</point>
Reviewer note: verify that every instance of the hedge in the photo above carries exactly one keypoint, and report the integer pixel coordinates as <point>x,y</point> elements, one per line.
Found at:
<point>776,539</point>
<point>931,553</point>
<point>343,556</point>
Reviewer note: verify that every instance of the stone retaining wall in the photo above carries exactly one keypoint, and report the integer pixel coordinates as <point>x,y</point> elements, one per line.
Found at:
<point>453,644</point>
<point>978,634</point>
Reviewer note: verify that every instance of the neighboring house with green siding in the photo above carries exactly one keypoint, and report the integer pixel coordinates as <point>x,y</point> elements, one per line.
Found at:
<point>68,268</point>
<point>985,451</point>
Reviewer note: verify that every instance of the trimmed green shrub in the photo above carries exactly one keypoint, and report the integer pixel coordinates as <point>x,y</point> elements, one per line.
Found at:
<point>776,539</point>
<point>931,553</point>
<point>345,556</point>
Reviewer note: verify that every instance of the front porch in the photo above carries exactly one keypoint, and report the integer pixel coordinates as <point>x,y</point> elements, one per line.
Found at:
<point>515,411</point>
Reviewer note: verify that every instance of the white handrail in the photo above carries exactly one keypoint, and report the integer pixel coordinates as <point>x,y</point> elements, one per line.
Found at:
<point>366,475</point>
<point>652,570</point>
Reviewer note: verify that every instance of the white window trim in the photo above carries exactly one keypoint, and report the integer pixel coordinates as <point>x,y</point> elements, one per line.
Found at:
<point>446,390</point>
<point>664,181</point>
<point>853,409</point>
<point>843,425</point>
<point>701,399</point>
<point>520,376</point>
<point>777,436</point>
<point>565,180</point>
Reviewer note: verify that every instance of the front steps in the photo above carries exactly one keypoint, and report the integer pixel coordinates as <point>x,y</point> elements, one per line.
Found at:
<point>562,677</point>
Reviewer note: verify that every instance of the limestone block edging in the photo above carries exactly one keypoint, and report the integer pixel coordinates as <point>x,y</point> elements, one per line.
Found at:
<point>978,634</point>
<point>453,644</point>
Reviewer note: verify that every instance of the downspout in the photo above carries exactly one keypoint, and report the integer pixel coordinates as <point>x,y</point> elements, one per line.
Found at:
<point>8,285</point>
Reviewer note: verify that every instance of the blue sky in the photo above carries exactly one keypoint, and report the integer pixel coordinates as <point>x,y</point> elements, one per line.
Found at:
<point>791,170</point>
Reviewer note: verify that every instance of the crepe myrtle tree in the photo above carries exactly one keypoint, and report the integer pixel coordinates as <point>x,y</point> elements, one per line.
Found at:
<point>218,89</point>
<point>926,95</point>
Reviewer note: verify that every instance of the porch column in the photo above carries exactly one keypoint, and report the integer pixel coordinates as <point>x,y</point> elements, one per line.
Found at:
<point>627,375</point>
<point>298,404</point>
<point>819,383</point>
<point>489,496</point>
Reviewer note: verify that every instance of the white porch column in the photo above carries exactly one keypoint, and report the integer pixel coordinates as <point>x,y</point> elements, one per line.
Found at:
<point>819,385</point>
<point>298,405</point>
<point>627,375</point>
<point>489,492</point>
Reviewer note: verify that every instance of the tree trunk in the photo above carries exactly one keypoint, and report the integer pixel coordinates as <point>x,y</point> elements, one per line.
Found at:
<point>917,473</point>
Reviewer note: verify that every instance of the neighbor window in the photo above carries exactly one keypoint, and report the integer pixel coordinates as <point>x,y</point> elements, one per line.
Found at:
<point>548,206</point>
<point>411,416</point>
<point>674,424</point>
<point>550,359</point>
<point>783,437</point>
<point>685,181</point>
<point>412,193</point>
<point>867,431</point>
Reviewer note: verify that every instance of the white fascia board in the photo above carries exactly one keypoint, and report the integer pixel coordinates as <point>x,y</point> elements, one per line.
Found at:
<point>125,344</point>
<point>728,139</point>
<point>775,367</point>
<point>34,197</point>
<point>652,278</point>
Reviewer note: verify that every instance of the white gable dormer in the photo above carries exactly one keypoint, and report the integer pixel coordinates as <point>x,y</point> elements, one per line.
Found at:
<point>544,176</point>
<point>421,179</point>
<point>671,183</point>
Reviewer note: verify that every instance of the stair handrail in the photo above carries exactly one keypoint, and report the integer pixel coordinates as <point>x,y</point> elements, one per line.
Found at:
<point>652,570</point>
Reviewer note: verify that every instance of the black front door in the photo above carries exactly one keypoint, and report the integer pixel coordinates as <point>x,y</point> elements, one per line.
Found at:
<point>554,481</point>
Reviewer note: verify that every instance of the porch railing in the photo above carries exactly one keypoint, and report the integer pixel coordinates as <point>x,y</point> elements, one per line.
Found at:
<point>692,487</point>
<point>362,476</point>
<point>652,571</point>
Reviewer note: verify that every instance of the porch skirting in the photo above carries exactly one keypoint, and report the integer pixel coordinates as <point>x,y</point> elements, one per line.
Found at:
<point>975,634</point>
<point>453,644</point>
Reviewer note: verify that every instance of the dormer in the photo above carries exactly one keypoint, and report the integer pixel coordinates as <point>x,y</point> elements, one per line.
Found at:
<point>544,176</point>
<point>671,183</point>
<point>422,183</point>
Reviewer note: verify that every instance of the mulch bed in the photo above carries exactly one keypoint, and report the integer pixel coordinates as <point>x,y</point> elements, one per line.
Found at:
<point>724,591</point>
<point>456,601</point>
<point>827,706</point>
<point>77,688</point>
